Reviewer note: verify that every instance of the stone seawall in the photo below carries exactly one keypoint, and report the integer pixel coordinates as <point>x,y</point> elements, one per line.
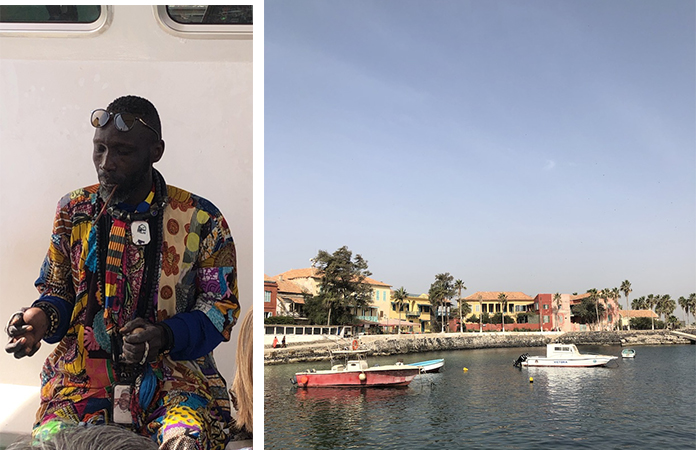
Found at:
<point>386,345</point>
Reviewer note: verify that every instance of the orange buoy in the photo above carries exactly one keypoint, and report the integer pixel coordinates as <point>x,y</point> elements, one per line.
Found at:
<point>303,379</point>
<point>355,344</point>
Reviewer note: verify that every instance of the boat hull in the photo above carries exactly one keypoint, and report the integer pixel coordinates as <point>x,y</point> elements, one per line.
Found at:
<point>373,377</point>
<point>589,361</point>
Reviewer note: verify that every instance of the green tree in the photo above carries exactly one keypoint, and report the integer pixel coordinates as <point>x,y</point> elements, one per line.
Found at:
<point>688,304</point>
<point>400,295</point>
<point>503,299</point>
<point>342,282</point>
<point>557,307</point>
<point>459,285</point>
<point>640,303</point>
<point>588,310</point>
<point>462,310</point>
<point>440,292</point>
<point>665,306</point>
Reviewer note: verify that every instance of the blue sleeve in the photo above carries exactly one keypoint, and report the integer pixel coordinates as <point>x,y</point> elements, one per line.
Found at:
<point>64,315</point>
<point>194,335</point>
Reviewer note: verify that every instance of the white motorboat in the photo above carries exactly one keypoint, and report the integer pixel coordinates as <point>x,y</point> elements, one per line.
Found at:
<point>564,355</point>
<point>628,353</point>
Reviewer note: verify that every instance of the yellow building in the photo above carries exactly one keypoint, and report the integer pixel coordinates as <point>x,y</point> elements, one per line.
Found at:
<point>488,302</point>
<point>415,310</point>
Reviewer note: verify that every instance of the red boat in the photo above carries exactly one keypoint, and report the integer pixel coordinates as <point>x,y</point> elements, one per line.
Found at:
<point>356,373</point>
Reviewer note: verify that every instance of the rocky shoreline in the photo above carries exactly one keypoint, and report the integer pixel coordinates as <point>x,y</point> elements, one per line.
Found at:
<point>387,345</point>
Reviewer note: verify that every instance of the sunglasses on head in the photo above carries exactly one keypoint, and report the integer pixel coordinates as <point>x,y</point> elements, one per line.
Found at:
<point>122,121</point>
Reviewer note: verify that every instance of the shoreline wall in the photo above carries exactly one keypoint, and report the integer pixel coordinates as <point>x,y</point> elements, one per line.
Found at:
<point>387,345</point>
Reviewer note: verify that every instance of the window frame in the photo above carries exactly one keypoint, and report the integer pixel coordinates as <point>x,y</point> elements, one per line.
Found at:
<point>189,30</point>
<point>60,29</point>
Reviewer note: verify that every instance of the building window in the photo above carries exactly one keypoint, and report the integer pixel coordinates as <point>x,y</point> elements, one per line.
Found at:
<point>267,296</point>
<point>546,319</point>
<point>546,306</point>
<point>477,308</point>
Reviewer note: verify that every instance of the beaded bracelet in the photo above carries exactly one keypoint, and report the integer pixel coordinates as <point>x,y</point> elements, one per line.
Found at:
<point>51,314</point>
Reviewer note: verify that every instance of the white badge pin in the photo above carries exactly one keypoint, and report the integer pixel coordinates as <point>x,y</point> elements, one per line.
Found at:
<point>140,231</point>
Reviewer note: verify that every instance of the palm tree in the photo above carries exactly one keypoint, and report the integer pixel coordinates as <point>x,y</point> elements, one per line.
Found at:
<point>400,295</point>
<point>502,298</point>
<point>684,303</point>
<point>640,303</point>
<point>665,306</point>
<point>594,296</point>
<point>605,294</point>
<point>626,289</point>
<point>557,303</point>
<point>652,302</point>
<point>459,285</point>
<point>615,296</point>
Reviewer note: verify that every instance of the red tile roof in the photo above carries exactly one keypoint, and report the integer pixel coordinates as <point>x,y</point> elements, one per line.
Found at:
<point>493,296</point>
<point>288,287</point>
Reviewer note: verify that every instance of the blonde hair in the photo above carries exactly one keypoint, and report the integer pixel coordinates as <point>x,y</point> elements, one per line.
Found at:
<point>242,387</point>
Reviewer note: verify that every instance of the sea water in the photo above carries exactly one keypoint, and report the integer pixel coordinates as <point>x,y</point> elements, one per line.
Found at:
<point>644,403</point>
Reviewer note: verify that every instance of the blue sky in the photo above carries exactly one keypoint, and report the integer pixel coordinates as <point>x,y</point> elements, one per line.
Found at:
<point>537,146</point>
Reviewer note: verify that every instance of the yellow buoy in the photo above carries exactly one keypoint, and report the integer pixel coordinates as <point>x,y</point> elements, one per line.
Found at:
<point>465,369</point>
<point>362,377</point>
<point>531,380</point>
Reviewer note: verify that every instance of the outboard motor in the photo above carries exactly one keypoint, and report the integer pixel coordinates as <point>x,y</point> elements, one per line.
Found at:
<point>518,362</point>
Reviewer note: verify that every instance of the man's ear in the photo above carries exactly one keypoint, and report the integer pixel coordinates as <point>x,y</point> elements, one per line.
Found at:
<point>156,151</point>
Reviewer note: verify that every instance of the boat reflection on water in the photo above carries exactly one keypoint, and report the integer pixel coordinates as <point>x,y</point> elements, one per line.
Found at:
<point>345,396</point>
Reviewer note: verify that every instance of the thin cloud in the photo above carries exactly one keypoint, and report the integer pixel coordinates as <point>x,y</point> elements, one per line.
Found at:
<point>549,165</point>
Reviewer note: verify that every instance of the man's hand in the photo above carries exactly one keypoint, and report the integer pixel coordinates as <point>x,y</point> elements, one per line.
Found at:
<point>135,334</point>
<point>26,329</point>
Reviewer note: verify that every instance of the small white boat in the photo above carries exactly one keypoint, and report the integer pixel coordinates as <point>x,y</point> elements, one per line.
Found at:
<point>628,353</point>
<point>431,366</point>
<point>564,355</point>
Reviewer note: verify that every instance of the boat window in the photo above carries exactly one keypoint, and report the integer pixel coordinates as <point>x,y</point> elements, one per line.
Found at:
<point>289,330</point>
<point>300,330</point>
<point>557,349</point>
<point>52,18</point>
<point>207,19</point>
<point>212,14</point>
